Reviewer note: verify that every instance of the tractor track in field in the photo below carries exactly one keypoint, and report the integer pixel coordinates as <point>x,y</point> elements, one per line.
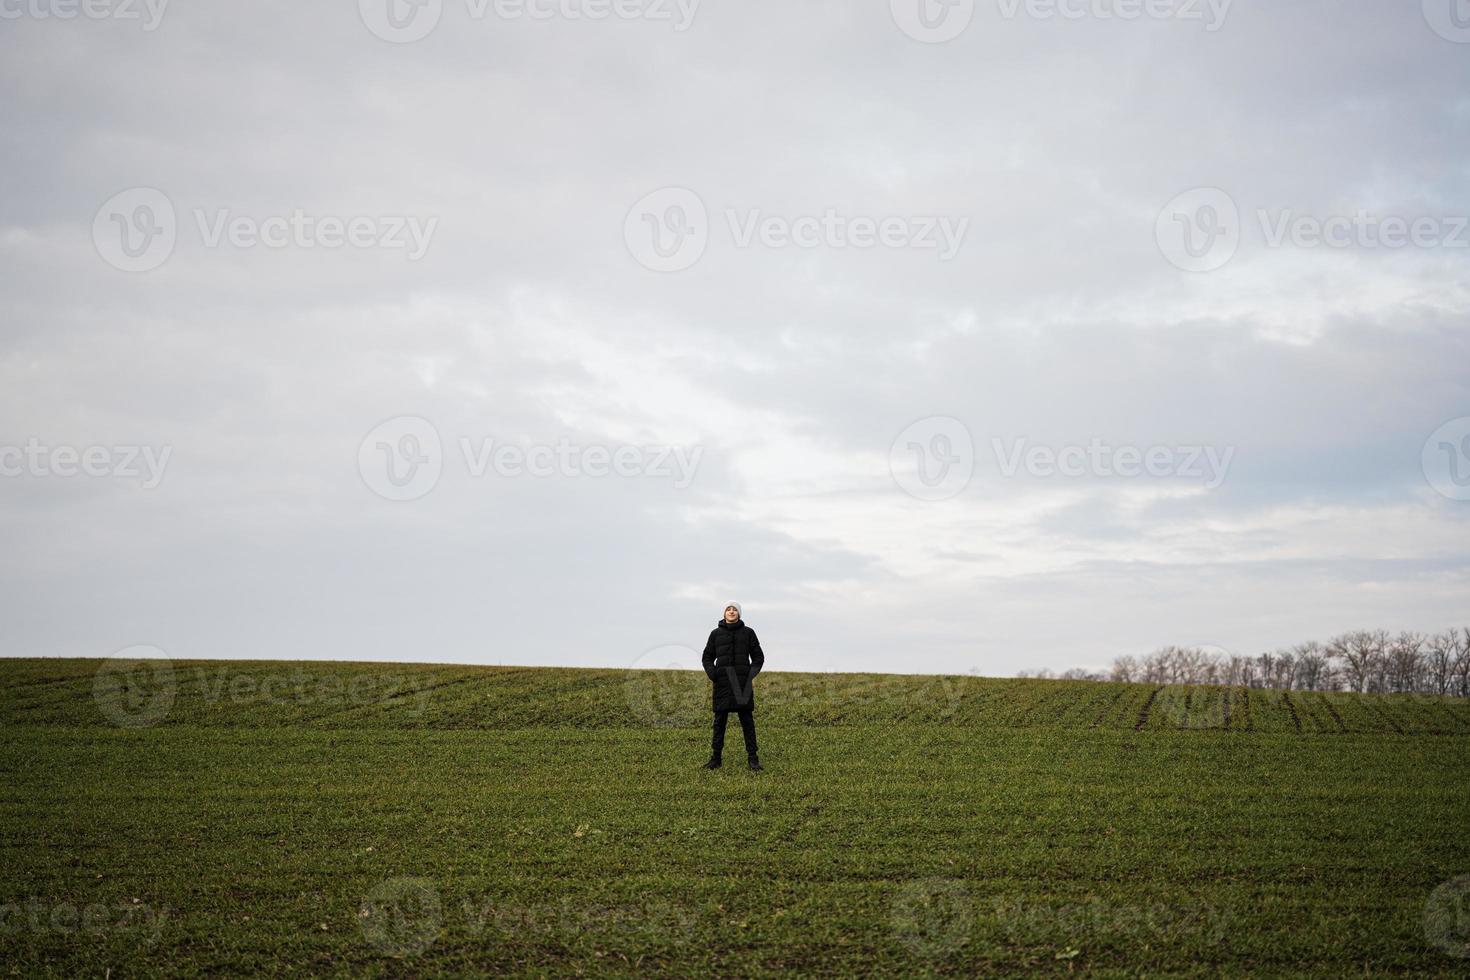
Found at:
<point>812,810</point>
<point>379,705</point>
<point>471,713</point>
<point>1107,708</point>
<point>1385,716</point>
<point>1143,712</point>
<point>981,700</point>
<point>1286,700</point>
<point>24,686</point>
<point>1019,721</point>
<point>1459,721</point>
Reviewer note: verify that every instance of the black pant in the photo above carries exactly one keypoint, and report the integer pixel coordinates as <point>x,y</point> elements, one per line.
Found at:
<point>747,727</point>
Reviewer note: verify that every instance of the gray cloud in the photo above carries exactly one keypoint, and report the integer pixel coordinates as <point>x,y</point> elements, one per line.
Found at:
<point>792,370</point>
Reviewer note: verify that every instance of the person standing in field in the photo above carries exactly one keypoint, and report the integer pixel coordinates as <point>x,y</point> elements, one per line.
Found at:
<point>732,658</point>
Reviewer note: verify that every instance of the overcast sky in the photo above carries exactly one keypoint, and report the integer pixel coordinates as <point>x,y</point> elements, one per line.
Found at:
<point>972,338</point>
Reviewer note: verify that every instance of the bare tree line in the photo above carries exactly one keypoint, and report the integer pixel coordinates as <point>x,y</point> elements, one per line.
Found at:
<point>1363,661</point>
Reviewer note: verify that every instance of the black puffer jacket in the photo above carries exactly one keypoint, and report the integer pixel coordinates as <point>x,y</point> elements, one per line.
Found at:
<point>732,658</point>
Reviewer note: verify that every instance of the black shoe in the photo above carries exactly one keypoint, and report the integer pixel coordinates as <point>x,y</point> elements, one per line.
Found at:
<point>712,764</point>
<point>756,764</point>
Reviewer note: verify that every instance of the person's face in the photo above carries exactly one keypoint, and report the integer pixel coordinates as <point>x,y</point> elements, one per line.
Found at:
<point>731,614</point>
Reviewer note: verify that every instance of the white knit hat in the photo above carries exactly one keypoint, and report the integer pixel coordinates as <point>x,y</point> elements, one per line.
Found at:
<point>738,611</point>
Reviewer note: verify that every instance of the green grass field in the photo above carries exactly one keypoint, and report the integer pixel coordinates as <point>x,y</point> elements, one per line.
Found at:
<point>224,818</point>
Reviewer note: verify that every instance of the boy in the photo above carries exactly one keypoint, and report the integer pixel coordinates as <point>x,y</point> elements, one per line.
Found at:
<point>732,658</point>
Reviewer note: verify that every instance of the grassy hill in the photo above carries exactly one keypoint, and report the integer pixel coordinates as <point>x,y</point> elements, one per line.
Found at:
<point>229,817</point>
